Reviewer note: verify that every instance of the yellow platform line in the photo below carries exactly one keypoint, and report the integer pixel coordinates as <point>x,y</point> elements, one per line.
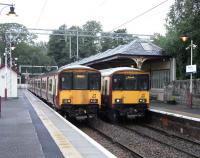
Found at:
<point>65,146</point>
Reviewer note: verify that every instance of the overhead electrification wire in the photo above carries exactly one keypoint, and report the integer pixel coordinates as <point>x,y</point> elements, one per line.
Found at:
<point>139,15</point>
<point>42,10</point>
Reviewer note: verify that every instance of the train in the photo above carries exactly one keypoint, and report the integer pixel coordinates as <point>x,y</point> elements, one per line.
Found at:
<point>125,93</point>
<point>74,91</point>
<point>82,92</point>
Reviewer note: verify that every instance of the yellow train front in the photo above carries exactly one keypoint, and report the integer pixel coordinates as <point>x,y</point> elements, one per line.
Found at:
<point>79,94</point>
<point>125,93</point>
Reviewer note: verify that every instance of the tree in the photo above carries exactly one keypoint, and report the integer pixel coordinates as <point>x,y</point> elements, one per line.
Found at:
<point>183,18</point>
<point>90,45</point>
<point>18,32</point>
<point>61,39</point>
<point>119,37</point>
<point>31,55</point>
<point>15,33</point>
<point>57,47</point>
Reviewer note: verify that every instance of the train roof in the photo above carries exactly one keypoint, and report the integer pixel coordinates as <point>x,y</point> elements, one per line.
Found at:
<point>68,67</point>
<point>74,67</point>
<point>107,72</point>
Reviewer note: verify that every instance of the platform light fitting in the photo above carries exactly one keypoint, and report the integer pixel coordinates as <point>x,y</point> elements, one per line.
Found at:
<point>12,11</point>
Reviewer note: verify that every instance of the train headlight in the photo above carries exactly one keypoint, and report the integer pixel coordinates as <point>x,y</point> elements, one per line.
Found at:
<point>118,101</point>
<point>142,100</point>
<point>93,100</point>
<point>66,101</point>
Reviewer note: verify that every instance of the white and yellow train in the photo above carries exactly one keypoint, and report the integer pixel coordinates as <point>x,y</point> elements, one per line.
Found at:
<point>125,92</point>
<point>72,90</point>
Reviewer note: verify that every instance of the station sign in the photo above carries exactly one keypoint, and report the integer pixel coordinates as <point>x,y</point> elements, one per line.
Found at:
<point>191,68</point>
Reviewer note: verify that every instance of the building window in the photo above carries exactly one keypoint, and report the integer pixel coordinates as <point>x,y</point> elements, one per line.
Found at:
<point>160,78</point>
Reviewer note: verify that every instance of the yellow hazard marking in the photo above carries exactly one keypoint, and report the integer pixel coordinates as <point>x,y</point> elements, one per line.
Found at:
<point>63,143</point>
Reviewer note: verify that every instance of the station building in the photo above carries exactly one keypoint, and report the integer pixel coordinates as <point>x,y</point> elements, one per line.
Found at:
<point>8,82</point>
<point>141,54</point>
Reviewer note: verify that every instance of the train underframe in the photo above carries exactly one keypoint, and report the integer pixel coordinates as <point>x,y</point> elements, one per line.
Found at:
<point>80,112</point>
<point>131,111</point>
<point>127,111</point>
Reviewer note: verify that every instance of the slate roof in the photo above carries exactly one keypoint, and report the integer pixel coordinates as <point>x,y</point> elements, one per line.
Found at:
<point>138,47</point>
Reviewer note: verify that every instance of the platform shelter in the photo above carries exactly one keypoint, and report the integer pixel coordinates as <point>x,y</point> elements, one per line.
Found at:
<point>142,54</point>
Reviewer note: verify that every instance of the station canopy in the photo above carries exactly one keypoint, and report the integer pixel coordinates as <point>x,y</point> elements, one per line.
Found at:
<point>139,50</point>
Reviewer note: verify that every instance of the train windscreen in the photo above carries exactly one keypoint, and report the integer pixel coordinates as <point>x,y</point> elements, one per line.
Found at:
<point>94,81</point>
<point>80,81</point>
<point>130,82</point>
<point>66,81</point>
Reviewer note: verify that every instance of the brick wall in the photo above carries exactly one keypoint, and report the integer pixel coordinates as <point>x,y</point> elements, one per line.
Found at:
<point>179,91</point>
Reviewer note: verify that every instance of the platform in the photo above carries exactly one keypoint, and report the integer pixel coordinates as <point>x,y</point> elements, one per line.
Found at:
<point>177,110</point>
<point>30,129</point>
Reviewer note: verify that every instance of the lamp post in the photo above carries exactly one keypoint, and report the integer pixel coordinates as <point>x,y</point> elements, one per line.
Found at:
<point>191,47</point>
<point>10,13</point>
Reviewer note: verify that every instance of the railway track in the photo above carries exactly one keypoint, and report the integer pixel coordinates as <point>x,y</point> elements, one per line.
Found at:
<point>184,145</point>
<point>171,134</point>
<point>147,142</point>
<point>126,149</point>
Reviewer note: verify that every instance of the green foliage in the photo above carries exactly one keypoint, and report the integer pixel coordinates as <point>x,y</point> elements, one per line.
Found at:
<point>183,18</point>
<point>57,47</point>
<point>27,52</point>
<point>113,40</point>
<point>18,32</point>
<point>31,55</point>
<point>89,43</point>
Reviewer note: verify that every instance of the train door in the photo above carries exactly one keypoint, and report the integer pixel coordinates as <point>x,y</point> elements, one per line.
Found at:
<point>54,90</point>
<point>47,89</point>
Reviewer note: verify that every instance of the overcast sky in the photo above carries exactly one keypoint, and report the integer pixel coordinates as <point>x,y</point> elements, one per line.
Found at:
<point>50,14</point>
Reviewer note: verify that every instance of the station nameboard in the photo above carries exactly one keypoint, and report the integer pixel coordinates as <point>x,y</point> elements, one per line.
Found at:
<point>191,68</point>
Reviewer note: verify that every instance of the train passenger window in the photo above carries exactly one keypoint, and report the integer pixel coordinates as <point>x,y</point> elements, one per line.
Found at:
<point>80,81</point>
<point>38,84</point>
<point>130,82</point>
<point>94,81</point>
<point>118,82</point>
<point>66,81</point>
<point>50,85</point>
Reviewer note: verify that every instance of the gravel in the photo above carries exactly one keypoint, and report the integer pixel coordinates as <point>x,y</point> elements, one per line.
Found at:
<point>144,146</point>
<point>108,144</point>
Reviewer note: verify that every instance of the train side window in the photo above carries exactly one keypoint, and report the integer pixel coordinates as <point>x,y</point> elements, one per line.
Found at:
<point>66,81</point>
<point>50,85</point>
<point>38,84</point>
<point>45,84</point>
